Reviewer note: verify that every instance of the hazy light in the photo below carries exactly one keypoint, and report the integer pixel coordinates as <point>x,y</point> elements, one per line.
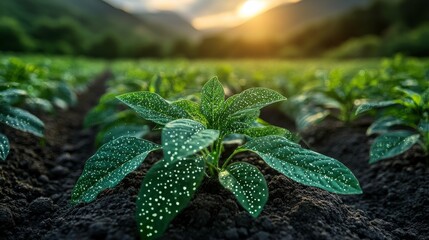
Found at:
<point>251,8</point>
<point>226,19</point>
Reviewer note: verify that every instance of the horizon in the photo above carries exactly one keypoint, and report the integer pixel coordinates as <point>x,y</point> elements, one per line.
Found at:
<point>204,14</point>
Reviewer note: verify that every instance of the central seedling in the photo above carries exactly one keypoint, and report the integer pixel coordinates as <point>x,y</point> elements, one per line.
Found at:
<point>192,143</point>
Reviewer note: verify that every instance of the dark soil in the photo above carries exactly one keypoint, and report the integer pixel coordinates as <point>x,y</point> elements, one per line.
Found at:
<point>37,178</point>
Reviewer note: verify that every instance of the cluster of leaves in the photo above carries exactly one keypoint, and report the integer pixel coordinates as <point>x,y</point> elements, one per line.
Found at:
<point>403,123</point>
<point>337,97</point>
<point>39,85</point>
<point>113,121</point>
<point>48,84</point>
<point>341,92</point>
<point>193,134</point>
<point>16,117</point>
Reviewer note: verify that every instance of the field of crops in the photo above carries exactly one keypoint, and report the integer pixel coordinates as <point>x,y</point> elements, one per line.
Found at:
<point>233,149</point>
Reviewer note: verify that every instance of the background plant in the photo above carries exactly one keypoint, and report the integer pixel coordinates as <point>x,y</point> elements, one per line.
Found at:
<point>403,123</point>
<point>192,144</point>
<point>16,117</point>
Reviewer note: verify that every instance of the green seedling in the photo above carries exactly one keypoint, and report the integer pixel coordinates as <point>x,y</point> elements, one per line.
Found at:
<point>405,123</point>
<point>338,97</point>
<point>16,117</point>
<point>192,144</point>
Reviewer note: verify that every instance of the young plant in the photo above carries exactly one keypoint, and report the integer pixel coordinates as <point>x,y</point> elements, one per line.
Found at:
<point>192,145</point>
<point>337,97</point>
<point>16,117</point>
<point>404,124</point>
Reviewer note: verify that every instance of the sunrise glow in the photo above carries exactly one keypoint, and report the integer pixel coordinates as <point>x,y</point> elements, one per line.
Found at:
<point>251,8</point>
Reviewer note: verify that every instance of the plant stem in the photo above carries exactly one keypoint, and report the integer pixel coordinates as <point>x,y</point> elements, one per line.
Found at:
<point>217,150</point>
<point>239,150</point>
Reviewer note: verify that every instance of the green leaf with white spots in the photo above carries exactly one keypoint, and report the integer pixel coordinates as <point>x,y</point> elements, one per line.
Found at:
<point>392,144</point>
<point>185,137</point>
<point>165,191</point>
<point>153,107</point>
<point>248,185</point>
<point>382,125</point>
<point>4,147</point>
<point>253,98</point>
<point>303,165</point>
<point>212,98</point>
<point>263,131</point>
<point>109,165</point>
<point>374,105</point>
<point>21,120</point>
<point>192,108</point>
<point>238,123</point>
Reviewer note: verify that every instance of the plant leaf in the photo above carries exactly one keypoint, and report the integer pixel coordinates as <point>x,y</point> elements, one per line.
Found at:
<point>165,191</point>
<point>253,98</point>
<point>424,126</point>
<point>153,107</point>
<point>4,147</point>
<point>255,132</point>
<point>372,105</point>
<point>185,137</point>
<point>238,123</point>
<point>248,185</point>
<point>12,95</point>
<point>383,124</point>
<point>21,120</point>
<point>304,166</point>
<point>310,116</point>
<point>192,108</point>
<point>392,144</point>
<point>109,165</point>
<point>212,98</point>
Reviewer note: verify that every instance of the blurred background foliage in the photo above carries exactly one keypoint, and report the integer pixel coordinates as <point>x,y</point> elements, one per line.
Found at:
<point>95,28</point>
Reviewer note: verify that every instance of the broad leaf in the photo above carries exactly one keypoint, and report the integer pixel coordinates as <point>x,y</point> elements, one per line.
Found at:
<point>239,122</point>
<point>153,107</point>
<point>12,96</point>
<point>21,120</point>
<point>212,98</point>
<point>392,144</point>
<point>185,137</point>
<point>303,165</point>
<point>165,191</point>
<point>373,105</point>
<point>109,165</point>
<point>4,147</point>
<point>192,108</point>
<point>415,97</point>
<point>263,131</point>
<point>382,125</point>
<point>253,98</point>
<point>248,185</point>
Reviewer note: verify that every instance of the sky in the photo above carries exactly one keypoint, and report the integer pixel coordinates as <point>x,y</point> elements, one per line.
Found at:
<point>204,14</point>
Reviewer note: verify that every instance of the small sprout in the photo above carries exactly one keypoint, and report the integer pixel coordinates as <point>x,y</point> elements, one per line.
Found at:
<point>192,142</point>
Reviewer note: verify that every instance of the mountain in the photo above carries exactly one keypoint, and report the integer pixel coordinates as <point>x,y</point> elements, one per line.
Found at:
<point>285,19</point>
<point>175,24</point>
<point>95,16</point>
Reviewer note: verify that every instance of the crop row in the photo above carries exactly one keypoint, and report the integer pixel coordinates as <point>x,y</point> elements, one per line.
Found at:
<point>315,90</point>
<point>39,84</point>
<point>195,126</point>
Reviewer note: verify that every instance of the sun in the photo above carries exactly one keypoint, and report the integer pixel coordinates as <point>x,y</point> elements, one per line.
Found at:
<point>251,8</point>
